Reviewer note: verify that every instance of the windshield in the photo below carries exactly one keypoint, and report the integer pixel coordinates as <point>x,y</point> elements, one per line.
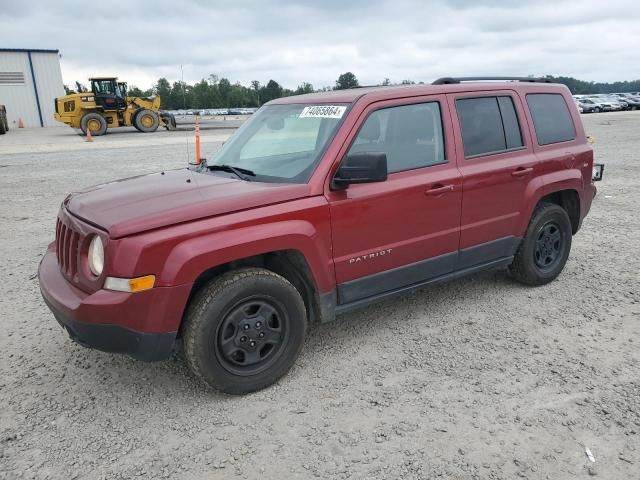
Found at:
<point>281,143</point>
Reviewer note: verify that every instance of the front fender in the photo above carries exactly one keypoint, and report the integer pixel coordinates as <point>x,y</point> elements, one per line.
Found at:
<point>192,257</point>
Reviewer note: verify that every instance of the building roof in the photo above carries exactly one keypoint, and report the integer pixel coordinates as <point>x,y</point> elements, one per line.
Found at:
<point>27,50</point>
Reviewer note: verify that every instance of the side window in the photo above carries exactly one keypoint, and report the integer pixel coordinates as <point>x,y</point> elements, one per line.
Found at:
<point>410,135</point>
<point>489,125</point>
<point>512,134</point>
<point>551,118</point>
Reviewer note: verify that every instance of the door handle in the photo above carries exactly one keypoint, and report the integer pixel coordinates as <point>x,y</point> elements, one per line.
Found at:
<point>439,189</point>
<point>521,172</point>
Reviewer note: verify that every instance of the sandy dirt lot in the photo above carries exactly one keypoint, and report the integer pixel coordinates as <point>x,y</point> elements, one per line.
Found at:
<point>476,379</point>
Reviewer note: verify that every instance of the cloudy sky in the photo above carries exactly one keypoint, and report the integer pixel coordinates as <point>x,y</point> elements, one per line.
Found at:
<point>314,41</point>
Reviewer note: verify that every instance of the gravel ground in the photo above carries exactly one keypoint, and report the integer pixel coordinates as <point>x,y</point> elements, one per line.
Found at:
<point>477,379</point>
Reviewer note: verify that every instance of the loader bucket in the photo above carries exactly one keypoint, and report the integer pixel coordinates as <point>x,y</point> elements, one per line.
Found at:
<point>168,120</point>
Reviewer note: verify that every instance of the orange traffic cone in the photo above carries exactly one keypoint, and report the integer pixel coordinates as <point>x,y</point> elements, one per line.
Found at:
<point>89,137</point>
<point>20,124</point>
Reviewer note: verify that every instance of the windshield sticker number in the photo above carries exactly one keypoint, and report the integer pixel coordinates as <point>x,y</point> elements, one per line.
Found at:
<point>323,111</point>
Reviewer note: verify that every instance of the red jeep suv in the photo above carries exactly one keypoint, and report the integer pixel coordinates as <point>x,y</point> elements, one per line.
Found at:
<point>317,205</point>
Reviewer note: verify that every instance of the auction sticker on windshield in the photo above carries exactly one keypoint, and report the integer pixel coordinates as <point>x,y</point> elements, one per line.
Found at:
<point>323,111</point>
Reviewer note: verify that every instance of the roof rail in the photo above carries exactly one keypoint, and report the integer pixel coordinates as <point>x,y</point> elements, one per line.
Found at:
<point>451,80</point>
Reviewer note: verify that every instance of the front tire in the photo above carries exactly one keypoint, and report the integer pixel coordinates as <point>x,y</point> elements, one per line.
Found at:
<point>146,121</point>
<point>244,330</point>
<point>545,248</point>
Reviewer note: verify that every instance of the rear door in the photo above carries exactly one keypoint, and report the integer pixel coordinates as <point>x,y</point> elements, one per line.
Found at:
<point>498,164</point>
<point>404,230</point>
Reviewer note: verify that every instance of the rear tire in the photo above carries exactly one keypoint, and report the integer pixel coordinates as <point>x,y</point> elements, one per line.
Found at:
<point>545,248</point>
<point>244,330</point>
<point>146,121</point>
<point>95,122</point>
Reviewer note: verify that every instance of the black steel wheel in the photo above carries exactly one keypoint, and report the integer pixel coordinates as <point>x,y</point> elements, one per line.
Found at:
<point>549,246</point>
<point>244,330</point>
<point>252,335</point>
<point>545,248</point>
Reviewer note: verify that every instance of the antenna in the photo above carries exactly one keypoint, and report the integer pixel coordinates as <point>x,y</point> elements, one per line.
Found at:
<point>184,106</point>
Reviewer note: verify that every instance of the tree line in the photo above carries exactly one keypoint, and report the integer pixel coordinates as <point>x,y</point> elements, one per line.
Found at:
<point>580,87</point>
<point>216,92</point>
<point>219,92</point>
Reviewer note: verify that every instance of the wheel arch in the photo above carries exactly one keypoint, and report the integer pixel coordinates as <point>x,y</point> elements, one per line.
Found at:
<point>569,200</point>
<point>562,188</point>
<point>290,264</point>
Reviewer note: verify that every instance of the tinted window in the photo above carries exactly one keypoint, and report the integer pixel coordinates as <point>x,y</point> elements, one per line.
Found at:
<point>410,135</point>
<point>551,118</point>
<point>489,125</point>
<point>512,134</point>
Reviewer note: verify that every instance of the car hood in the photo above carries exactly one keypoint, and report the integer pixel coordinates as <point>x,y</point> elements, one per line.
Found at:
<point>147,202</point>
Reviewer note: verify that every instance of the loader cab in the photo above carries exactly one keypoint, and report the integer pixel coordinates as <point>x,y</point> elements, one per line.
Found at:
<point>108,93</point>
<point>122,88</point>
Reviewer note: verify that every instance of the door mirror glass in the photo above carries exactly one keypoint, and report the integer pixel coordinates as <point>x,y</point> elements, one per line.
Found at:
<point>361,167</point>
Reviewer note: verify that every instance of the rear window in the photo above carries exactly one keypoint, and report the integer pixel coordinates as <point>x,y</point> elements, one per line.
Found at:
<point>489,125</point>
<point>551,118</point>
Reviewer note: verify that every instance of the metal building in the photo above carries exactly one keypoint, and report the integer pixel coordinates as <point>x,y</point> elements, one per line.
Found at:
<point>30,80</point>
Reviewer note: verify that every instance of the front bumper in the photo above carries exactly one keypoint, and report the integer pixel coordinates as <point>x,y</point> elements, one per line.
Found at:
<point>142,325</point>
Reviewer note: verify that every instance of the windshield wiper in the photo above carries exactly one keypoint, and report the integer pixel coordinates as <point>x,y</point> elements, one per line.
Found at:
<point>241,173</point>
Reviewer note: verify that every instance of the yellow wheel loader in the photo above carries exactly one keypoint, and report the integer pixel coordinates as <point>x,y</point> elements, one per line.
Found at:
<point>108,106</point>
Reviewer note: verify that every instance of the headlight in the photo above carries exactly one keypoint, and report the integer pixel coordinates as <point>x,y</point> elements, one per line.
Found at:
<point>96,256</point>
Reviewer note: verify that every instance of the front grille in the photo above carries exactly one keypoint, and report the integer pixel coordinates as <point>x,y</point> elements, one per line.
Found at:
<point>67,244</point>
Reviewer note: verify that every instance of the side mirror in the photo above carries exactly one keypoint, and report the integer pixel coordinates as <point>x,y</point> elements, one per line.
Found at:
<point>361,167</point>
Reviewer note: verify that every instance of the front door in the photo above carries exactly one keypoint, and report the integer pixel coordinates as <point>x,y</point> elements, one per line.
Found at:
<point>405,230</point>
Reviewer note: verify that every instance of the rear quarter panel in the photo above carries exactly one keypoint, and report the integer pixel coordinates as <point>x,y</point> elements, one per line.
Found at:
<point>562,166</point>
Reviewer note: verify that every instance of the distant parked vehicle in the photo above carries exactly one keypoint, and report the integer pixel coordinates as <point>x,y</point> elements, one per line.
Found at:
<point>631,100</point>
<point>633,103</point>
<point>617,103</point>
<point>584,105</point>
<point>598,105</point>
<point>4,123</point>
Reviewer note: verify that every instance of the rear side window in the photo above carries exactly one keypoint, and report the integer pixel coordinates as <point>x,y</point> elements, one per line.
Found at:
<point>489,125</point>
<point>551,118</point>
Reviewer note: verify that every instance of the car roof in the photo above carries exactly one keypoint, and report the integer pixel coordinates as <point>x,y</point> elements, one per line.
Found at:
<point>378,93</point>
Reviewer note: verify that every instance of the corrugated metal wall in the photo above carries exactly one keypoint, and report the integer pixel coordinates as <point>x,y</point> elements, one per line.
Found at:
<point>46,67</point>
<point>20,99</point>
